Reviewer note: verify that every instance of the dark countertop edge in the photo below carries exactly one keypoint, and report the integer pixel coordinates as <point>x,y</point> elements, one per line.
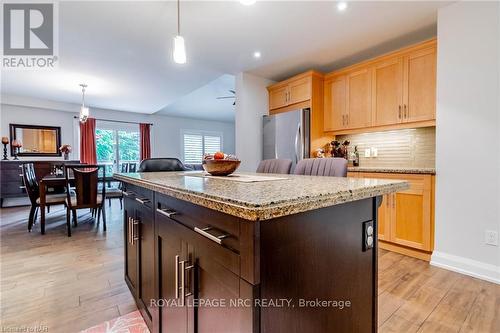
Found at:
<point>255,212</point>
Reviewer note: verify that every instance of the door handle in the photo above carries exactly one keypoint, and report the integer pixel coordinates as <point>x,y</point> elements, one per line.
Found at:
<point>135,236</point>
<point>399,112</point>
<point>297,134</point>
<point>204,232</point>
<point>405,113</point>
<point>166,212</point>
<point>142,201</point>
<point>184,268</point>
<point>176,277</point>
<point>129,232</point>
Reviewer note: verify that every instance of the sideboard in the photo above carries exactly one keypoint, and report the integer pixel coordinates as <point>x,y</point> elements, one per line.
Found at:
<point>11,176</point>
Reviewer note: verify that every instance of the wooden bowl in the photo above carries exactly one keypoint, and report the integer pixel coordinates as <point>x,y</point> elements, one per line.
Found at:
<point>220,167</point>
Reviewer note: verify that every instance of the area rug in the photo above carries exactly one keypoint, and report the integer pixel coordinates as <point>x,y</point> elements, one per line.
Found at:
<point>129,323</point>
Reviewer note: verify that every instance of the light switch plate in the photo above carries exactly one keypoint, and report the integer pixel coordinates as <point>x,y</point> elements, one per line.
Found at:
<point>367,152</point>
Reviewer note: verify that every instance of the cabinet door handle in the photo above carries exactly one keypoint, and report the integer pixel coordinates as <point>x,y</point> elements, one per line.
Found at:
<point>167,212</point>
<point>399,112</point>
<point>204,232</point>
<point>134,229</point>
<point>182,289</point>
<point>347,119</point>
<point>142,201</point>
<point>129,233</point>
<point>176,277</point>
<point>405,114</point>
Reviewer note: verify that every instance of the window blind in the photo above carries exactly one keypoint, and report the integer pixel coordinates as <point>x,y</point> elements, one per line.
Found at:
<point>197,145</point>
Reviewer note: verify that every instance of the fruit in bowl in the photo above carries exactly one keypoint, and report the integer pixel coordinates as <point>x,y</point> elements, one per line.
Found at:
<point>220,164</point>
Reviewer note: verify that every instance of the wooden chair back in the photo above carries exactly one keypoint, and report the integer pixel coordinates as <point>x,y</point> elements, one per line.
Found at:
<point>30,182</point>
<point>86,181</point>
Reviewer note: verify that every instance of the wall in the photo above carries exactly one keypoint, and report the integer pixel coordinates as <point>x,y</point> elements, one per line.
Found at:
<point>165,133</point>
<point>251,104</point>
<point>407,148</point>
<point>468,138</point>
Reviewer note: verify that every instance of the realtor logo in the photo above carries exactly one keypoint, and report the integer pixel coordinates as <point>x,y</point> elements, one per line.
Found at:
<point>29,32</point>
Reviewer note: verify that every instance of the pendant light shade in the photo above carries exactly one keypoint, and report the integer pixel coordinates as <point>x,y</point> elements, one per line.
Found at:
<point>179,50</point>
<point>179,45</point>
<point>84,111</point>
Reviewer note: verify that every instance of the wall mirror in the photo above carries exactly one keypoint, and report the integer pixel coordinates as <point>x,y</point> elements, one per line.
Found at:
<point>36,140</point>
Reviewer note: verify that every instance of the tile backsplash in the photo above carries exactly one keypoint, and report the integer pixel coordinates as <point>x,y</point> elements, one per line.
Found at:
<point>412,148</point>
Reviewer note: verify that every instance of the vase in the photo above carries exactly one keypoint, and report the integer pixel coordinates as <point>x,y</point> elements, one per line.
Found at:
<point>66,156</point>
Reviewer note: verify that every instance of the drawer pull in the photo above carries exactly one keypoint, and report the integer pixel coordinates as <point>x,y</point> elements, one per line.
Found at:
<point>142,201</point>
<point>204,232</point>
<point>22,187</point>
<point>128,193</point>
<point>167,212</point>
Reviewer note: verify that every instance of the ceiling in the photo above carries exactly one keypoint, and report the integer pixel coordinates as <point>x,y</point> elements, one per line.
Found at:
<point>122,50</point>
<point>202,103</point>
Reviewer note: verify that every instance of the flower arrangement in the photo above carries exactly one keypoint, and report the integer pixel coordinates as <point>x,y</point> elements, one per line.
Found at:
<point>65,149</point>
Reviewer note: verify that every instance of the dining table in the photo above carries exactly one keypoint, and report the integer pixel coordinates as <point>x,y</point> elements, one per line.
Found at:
<point>49,181</point>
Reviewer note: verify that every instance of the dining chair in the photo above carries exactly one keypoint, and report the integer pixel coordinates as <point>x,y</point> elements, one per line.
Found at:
<point>333,167</point>
<point>87,194</point>
<point>124,168</point>
<point>275,165</point>
<point>33,191</point>
<point>161,164</point>
<point>115,192</point>
<point>132,167</point>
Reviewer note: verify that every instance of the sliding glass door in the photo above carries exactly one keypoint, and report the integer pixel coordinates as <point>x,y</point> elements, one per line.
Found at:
<point>118,149</point>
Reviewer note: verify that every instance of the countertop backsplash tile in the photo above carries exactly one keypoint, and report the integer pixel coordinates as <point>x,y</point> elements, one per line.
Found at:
<point>408,148</point>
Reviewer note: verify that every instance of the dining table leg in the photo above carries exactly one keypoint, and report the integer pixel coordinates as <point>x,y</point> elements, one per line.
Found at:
<point>42,207</point>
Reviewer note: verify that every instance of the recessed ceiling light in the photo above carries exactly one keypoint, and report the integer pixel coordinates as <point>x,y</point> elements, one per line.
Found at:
<point>257,55</point>
<point>248,2</point>
<point>341,6</point>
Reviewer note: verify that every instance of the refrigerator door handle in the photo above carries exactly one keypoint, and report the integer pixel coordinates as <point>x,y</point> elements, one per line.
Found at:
<point>297,137</point>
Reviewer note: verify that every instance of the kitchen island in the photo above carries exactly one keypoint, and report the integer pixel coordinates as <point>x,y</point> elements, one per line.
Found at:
<point>276,253</point>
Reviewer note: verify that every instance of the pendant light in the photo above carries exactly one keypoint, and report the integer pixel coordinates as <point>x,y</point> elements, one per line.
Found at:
<point>179,46</point>
<point>84,111</point>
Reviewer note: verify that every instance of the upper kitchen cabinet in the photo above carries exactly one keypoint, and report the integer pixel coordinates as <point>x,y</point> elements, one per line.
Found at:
<point>292,91</point>
<point>402,92</point>
<point>419,102</point>
<point>387,102</point>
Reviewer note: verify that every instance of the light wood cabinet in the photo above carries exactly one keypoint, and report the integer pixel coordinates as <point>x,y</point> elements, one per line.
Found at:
<point>420,85</point>
<point>335,104</point>
<point>278,97</point>
<point>388,92</point>
<point>290,92</point>
<point>358,102</point>
<point>393,91</point>
<point>405,218</point>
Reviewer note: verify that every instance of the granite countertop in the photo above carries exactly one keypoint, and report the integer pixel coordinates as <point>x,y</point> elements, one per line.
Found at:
<point>429,171</point>
<point>262,200</point>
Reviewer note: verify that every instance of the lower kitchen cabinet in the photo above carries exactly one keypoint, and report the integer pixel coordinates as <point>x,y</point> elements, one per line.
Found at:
<point>406,218</point>
<point>139,249</point>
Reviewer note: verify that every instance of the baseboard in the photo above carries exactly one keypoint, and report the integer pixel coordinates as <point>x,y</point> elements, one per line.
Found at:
<point>466,266</point>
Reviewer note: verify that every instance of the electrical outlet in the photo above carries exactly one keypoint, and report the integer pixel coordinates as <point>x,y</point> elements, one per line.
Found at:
<point>491,237</point>
<point>367,152</point>
<point>374,152</point>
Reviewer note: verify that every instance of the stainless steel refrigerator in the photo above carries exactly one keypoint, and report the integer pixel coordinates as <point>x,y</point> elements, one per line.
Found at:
<point>286,135</point>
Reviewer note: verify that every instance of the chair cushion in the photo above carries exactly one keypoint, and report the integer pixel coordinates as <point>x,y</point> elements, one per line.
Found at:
<point>99,200</point>
<point>54,199</point>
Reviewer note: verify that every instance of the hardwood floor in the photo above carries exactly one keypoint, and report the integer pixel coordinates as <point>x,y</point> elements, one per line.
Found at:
<point>69,284</point>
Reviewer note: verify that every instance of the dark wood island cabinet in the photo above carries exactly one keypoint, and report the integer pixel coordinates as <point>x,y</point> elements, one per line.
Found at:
<point>201,256</point>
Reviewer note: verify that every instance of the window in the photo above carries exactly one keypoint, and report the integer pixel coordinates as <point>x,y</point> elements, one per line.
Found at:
<point>116,147</point>
<point>196,144</point>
